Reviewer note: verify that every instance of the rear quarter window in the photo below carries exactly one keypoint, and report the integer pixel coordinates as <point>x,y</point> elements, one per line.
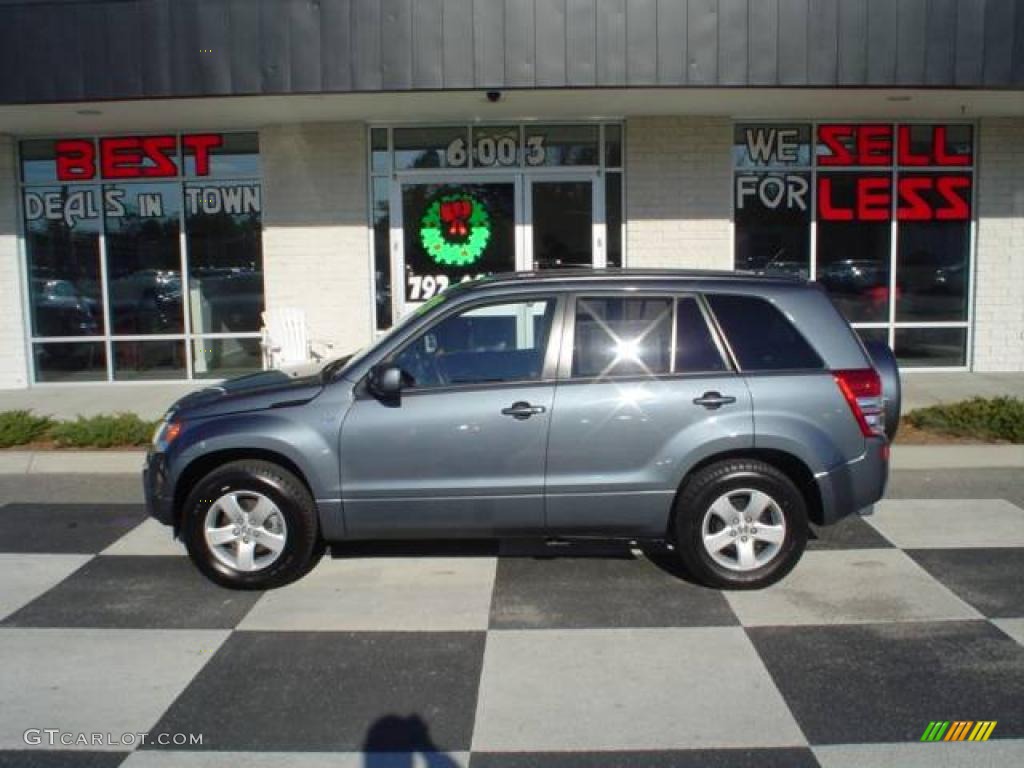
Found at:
<point>761,336</point>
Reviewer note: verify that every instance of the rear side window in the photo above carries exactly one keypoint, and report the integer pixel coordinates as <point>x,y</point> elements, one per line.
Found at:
<point>761,337</point>
<point>622,337</point>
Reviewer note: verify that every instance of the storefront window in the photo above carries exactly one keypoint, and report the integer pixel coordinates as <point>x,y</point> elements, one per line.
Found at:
<point>933,255</point>
<point>144,258</point>
<point>885,224</point>
<point>773,211</point>
<point>149,360</point>
<point>225,257</point>
<point>853,253</point>
<point>430,147</point>
<point>70,361</point>
<point>62,239</point>
<point>381,214</point>
<point>130,303</point>
<point>219,358</point>
<point>613,218</point>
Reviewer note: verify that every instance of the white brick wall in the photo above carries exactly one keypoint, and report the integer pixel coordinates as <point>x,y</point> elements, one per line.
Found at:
<point>13,365</point>
<point>678,192</point>
<point>315,234</point>
<point>999,308</point>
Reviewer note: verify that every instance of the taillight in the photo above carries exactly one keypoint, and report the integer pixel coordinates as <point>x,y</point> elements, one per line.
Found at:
<point>862,389</point>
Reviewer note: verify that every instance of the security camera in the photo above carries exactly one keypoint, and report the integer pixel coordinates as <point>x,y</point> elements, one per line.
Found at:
<point>494,96</point>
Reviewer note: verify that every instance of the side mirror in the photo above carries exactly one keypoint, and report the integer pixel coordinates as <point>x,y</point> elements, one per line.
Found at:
<point>385,381</point>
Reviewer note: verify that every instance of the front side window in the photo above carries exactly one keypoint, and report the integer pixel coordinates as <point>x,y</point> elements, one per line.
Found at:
<point>488,344</point>
<point>760,335</point>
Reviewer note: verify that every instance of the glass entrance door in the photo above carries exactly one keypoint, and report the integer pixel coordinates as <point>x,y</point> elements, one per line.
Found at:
<point>565,226</point>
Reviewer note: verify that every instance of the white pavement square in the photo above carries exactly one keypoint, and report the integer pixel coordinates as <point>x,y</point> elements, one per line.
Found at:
<point>150,537</point>
<point>611,689</point>
<point>998,753</point>
<point>26,577</point>
<point>95,680</point>
<point>382,593</point>
<point>1015,629</point>
<point>949,523</point>
<point>849,587</point>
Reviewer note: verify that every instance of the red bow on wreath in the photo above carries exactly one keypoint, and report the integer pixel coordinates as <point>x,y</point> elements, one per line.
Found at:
<point>454,213</point>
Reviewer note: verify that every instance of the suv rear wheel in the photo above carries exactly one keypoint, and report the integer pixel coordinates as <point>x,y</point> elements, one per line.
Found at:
<point>740,524</point>
<point>251,525</point>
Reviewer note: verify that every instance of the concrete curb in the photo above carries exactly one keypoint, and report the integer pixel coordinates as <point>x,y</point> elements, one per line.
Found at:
<point>71,462</point>
<point>957,457</point>
<point>904,457</point>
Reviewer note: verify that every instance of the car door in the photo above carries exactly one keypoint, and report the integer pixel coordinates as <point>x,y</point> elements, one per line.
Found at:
<point>461,451</point>
<point>645,391</point>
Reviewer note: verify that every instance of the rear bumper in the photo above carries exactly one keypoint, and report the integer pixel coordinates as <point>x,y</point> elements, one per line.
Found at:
<point>157,488</point>
<point>856,485</point>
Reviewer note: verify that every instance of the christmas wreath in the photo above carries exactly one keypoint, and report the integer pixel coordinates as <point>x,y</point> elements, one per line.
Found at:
<point>455,230</point>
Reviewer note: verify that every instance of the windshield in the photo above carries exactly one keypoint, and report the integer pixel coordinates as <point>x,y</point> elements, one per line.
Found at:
<point>337,367</point>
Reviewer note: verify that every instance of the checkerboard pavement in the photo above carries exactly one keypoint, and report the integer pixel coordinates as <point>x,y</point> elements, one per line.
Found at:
<point>515,654</point>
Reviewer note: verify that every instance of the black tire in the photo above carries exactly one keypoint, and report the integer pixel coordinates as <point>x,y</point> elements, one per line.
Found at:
<point>711,483</point>
<point>303,546</point>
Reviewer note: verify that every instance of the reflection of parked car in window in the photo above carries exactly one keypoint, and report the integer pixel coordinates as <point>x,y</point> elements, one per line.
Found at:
<point>718,411</point>
<point>146,300</point>
<point>853,275</point>
<point>950,279</point>
<point>60,310</point>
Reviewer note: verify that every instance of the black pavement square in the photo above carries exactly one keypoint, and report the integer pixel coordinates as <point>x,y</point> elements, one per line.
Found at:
<point>65,528</point>
<point>852,532</point>
<point>334,691</point>
<point>697,758</point>
<point>578,592</point>
<point>885,682</point>
<point>988,579</point>
<point>136,592</point>
<point>19,758</point>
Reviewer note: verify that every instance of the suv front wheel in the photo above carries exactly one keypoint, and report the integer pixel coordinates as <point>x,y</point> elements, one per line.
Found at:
<point>252,525</point>
<point>740,524</point>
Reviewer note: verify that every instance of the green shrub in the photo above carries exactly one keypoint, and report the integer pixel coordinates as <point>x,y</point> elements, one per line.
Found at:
<point>998,418</point>
<point>20,427</point>
<point>120,429</point>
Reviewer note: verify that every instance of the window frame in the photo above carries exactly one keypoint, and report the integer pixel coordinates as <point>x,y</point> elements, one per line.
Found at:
<point>551,352</point>
<point>565,374</point>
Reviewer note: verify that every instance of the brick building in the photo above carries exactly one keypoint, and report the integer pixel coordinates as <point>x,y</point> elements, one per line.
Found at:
<point>168,170</point>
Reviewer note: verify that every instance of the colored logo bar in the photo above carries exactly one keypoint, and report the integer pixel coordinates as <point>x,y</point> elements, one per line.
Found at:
<point>958,730</point>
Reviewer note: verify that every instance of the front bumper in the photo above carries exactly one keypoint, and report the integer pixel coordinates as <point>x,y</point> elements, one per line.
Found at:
<point>157,488</point>
<point>856,485</point>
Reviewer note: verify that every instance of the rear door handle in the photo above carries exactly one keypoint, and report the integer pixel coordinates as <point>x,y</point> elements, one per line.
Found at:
<point>713,400</point>
<point>522,410</point>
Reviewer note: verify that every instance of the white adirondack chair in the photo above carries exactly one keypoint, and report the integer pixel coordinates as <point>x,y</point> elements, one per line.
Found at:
<point>286,339</point>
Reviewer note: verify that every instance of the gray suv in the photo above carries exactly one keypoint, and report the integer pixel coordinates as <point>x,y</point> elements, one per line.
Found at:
<point>717,412</point>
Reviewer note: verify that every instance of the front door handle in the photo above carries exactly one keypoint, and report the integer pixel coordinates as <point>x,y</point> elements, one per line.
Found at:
<point>522,410</point>
<point>713,400</point>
